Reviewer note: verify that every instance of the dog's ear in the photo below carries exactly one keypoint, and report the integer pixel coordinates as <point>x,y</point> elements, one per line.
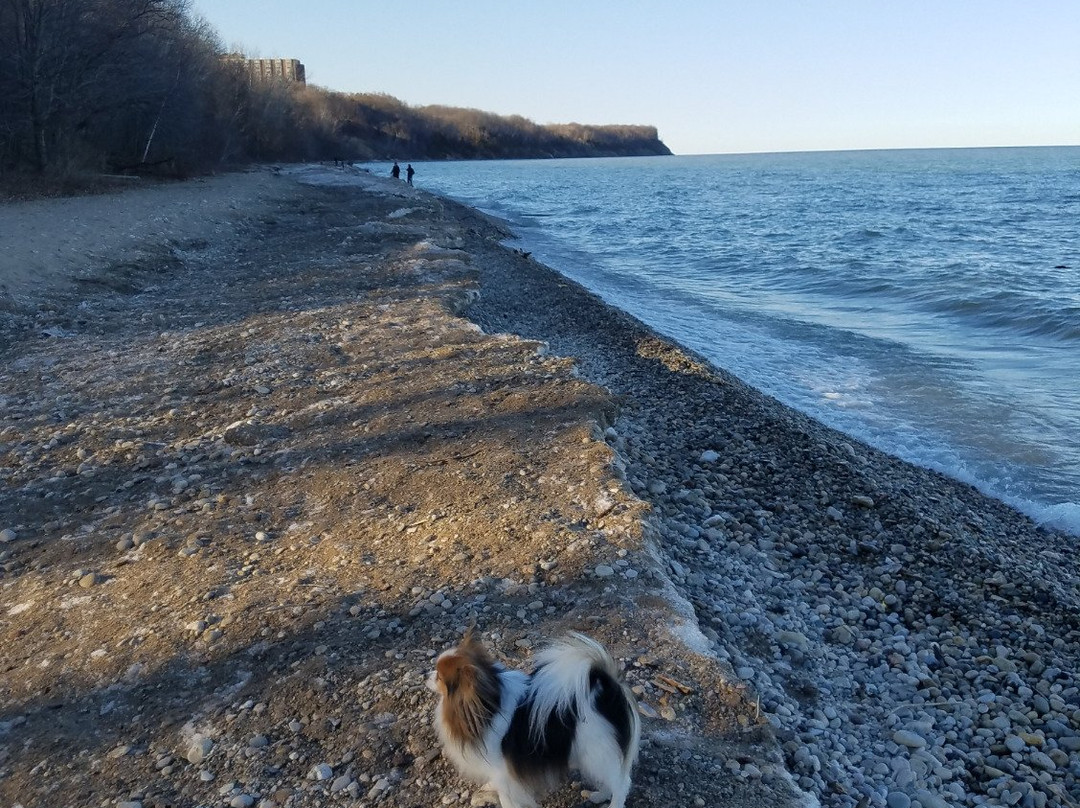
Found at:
<point>453,672</point>
<point>468,638</point>
<point>471,647</point>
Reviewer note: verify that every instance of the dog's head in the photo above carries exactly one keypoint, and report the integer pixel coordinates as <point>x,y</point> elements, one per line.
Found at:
<point>466,679</point>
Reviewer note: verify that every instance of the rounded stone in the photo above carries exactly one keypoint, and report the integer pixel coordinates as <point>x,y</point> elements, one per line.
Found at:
<point>1041,760</point>
<point>898,799</point>
<point>842,635</point>
<point>909,739</point>
<point>198,750</point>
<point>381,785</point>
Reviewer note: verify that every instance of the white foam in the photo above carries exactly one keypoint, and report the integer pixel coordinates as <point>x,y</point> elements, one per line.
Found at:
<point>1063,516</point>
<point>873,348</point>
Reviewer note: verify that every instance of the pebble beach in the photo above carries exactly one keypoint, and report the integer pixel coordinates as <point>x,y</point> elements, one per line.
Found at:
<point>912,641</point>
<point>353,420</point>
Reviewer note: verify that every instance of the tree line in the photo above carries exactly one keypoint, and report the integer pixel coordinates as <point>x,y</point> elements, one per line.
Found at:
<point>143,86</point>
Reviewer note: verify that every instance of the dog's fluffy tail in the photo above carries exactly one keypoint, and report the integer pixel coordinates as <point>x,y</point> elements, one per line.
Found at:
<point>576,676</point>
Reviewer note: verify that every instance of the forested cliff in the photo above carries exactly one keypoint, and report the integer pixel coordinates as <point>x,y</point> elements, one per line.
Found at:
<point>383,126</point>
<point>140,85</point>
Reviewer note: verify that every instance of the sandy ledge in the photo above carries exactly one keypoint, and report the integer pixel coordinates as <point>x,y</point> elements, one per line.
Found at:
<point>258,471</point>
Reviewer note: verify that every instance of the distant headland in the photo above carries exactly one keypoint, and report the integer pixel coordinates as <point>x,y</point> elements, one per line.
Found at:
<point>382,126</point>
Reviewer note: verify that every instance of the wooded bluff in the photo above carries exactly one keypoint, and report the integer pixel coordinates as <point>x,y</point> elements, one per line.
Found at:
<point>142,86</point>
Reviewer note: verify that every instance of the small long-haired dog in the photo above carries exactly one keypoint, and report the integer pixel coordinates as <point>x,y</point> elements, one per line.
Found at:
<point>523,733</point>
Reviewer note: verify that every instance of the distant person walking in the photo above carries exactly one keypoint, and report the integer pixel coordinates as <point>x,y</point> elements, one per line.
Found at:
<point>395,172</point>
<point>409,173</point>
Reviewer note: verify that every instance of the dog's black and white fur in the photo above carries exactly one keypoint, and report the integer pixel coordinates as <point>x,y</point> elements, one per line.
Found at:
<point>522,734</point>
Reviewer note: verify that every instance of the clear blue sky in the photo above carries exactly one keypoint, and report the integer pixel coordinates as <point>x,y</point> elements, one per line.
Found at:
<point>714,76</point>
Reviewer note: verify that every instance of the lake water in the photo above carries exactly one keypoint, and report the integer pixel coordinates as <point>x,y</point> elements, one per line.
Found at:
<point>927,302</point>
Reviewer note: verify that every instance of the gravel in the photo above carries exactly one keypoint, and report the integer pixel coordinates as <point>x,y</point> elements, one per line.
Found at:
<point>285,552</point>
<point>911,641</point>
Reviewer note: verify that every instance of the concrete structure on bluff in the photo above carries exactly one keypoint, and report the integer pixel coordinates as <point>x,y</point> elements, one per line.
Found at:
<point>270,69</point>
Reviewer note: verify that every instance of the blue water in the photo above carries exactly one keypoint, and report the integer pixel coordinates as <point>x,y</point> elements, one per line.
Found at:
<point>927,302</point>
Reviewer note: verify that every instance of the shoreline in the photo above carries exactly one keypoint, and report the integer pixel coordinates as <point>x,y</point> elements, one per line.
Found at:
<point>891,563</point>
<point>1051,517</point>
<point>875,383</point>
<point>901,523</point>
<point>254,488</point>
<point>846,593</point>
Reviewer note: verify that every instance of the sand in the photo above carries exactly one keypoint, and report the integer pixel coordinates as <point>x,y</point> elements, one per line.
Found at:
<point>50,241</point>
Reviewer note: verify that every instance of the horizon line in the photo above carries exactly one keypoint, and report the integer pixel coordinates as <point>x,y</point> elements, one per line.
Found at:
<point>874,149</point>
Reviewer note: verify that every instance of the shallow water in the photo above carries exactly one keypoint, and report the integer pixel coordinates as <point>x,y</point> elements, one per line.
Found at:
<point>927,302</point>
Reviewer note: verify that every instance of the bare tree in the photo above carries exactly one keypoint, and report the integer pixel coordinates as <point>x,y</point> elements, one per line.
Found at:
<point>69,64</point>
<point>131,84</point>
